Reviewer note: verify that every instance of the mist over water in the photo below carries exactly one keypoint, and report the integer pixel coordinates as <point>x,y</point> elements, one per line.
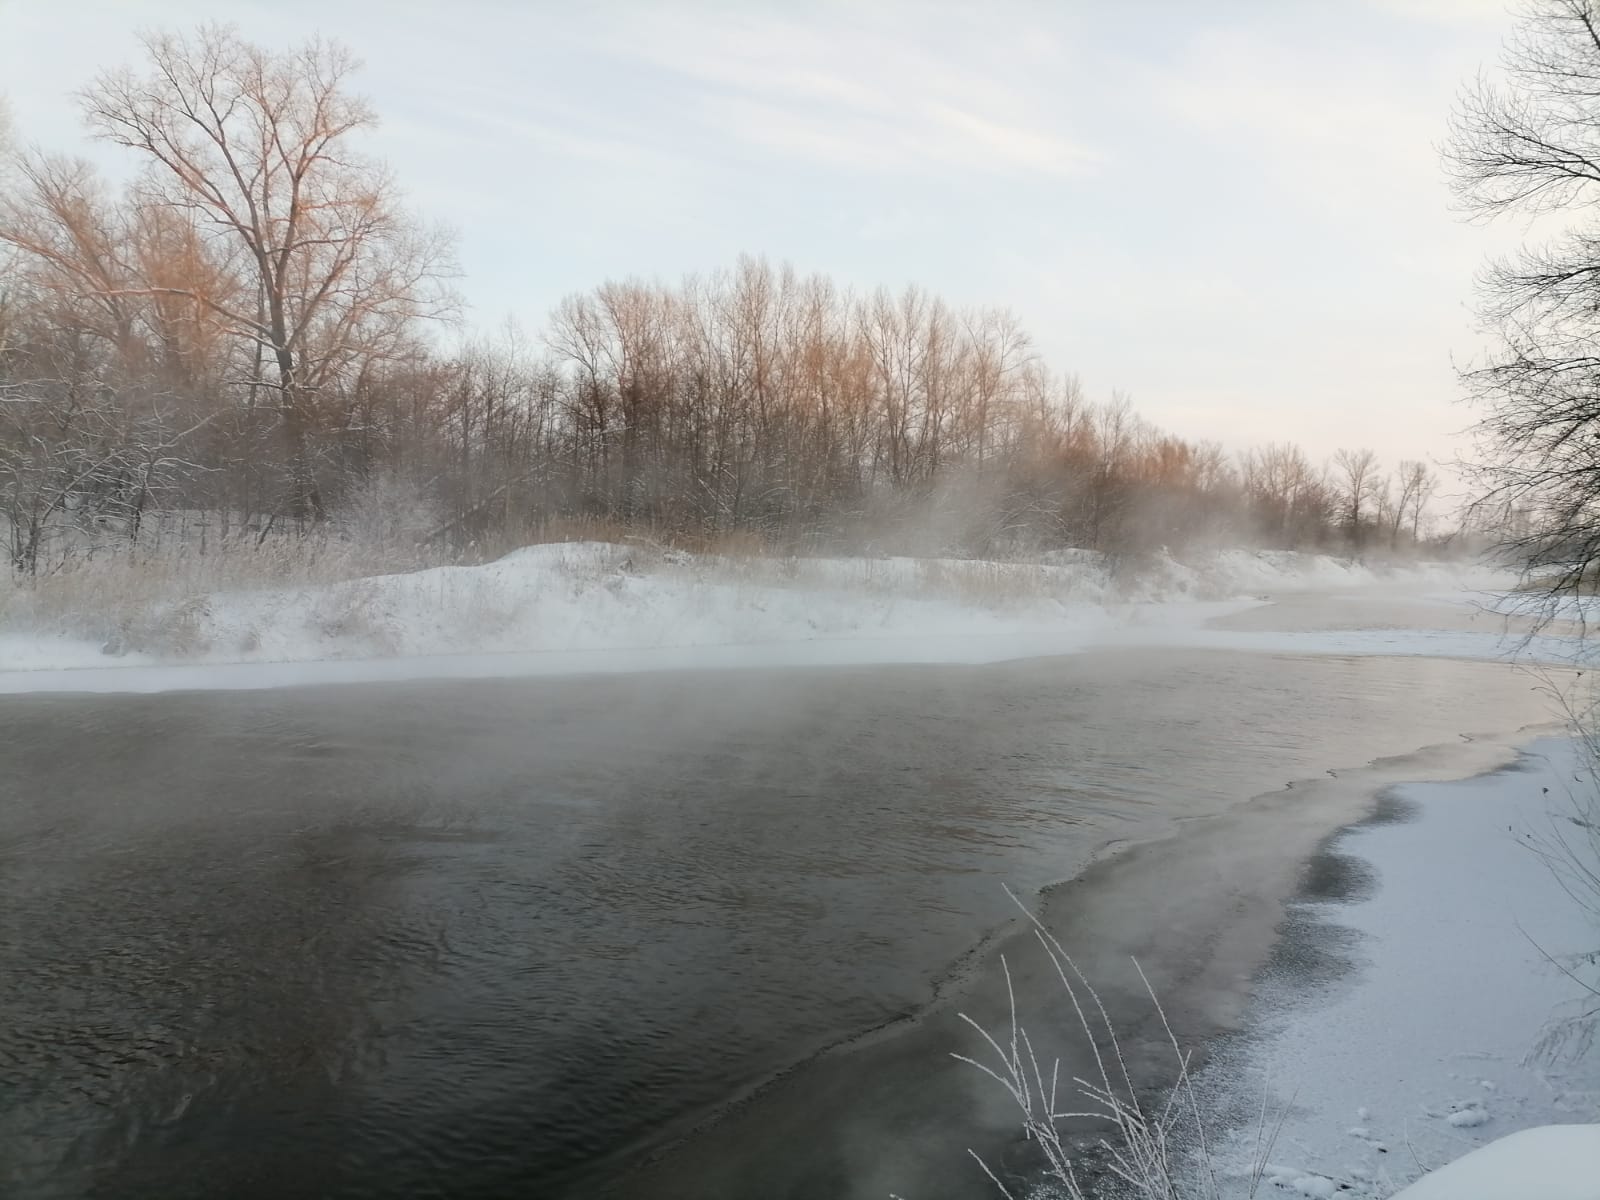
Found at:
<point>494,938</point>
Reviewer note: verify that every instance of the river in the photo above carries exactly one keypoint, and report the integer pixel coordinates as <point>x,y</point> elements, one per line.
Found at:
<point>682,934</point>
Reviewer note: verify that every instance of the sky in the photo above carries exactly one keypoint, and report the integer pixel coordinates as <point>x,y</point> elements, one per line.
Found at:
<point>1234,212</point>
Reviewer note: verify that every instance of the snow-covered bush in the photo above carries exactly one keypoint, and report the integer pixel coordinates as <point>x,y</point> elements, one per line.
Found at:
<point>389,517</point>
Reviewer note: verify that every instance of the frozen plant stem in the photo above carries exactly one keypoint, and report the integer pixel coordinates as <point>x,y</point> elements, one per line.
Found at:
<point>1146,1149</point>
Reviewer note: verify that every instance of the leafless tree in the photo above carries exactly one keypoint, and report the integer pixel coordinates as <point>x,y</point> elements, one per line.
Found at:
<point>1358,482</point>
<point>1003,349</point>
<point>8,136</point>
<point>1415,485</point>
<point>1531,145</point>
<point>1288,498</point>
<point>259,148</point>
<point>85,449</point>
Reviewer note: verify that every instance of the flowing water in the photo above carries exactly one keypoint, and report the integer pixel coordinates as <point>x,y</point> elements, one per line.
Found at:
<point>519,938</point>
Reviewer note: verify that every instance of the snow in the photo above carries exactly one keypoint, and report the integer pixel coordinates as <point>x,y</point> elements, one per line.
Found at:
<point>1484,645</point>
<point>596,607</point>
<point>1468,1116</point>
<point>1292,1179</point>
<point>1551,1162</point>
<point>1416,1008</point>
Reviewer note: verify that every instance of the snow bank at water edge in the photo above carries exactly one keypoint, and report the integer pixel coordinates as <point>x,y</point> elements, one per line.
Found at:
<point>1551,1162</point>
<point>575,597</point>
<point>1403,1020</point>
<point>588,597</point>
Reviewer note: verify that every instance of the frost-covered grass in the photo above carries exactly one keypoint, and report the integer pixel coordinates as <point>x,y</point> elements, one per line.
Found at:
<point>154,593</point>
<point>1151,1150</point>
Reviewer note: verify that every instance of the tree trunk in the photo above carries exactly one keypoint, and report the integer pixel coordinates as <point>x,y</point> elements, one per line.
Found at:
<point>305,498</point>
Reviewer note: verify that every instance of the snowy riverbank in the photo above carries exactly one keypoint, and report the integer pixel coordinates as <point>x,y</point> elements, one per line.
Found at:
<point>584,607</point>
<point>1408,1013</point>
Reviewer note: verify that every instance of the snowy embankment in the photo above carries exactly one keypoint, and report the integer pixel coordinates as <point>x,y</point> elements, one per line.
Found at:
<point>1432,1004</point>
<point>566,607</point>
<point>1550,1162</point>
<point>602,607</point>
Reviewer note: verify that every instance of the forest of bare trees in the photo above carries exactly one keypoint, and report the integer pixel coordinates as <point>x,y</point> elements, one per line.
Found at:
<point>256,334</point>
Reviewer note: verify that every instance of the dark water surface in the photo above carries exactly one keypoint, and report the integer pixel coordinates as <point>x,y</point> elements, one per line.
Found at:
<point>498,938</point>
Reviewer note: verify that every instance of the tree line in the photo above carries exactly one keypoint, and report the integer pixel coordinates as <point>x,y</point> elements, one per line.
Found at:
<point>256,330</point>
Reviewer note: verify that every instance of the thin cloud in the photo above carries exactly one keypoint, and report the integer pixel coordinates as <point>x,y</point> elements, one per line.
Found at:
<point>1448,12</point>
<point>854,94</point>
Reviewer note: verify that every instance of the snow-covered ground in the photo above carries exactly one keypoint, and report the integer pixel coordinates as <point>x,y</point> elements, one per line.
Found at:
<point>590,607</point>
<point>1551,1162</point>
<point>1400,1027</point>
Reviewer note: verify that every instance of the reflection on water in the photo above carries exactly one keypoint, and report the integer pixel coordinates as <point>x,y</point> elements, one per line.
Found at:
<point>485,939</point>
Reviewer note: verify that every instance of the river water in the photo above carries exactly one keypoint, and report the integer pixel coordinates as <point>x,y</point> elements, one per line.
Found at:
<point>530,938</point>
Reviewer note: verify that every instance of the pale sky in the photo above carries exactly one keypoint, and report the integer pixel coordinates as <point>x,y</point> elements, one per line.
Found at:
<point>1232,210</point>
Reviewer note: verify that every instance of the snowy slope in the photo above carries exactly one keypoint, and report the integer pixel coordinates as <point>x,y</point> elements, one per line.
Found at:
<point>600,601</point>
<point>1551,1162</point>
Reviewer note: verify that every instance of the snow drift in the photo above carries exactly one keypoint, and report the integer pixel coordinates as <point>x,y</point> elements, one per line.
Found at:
<point>1550,1162</point>
<point>589,596</point>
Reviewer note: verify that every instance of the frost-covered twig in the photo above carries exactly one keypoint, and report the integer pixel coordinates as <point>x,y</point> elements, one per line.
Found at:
<point>1145,1149</point>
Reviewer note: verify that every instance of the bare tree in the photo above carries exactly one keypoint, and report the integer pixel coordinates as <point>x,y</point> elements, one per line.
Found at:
<point>8,143</point>
<point>1286,499</point>
<point>77,247</point>
<point>1527,146</point>
<point>7,186</point>
<point>1356,472</point>
<point>85,444</point>
<point>90,416</point>
<point>1002,349</point>
<point>258,147</point>
<point>1415,487</point>
<point>8,136</point>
